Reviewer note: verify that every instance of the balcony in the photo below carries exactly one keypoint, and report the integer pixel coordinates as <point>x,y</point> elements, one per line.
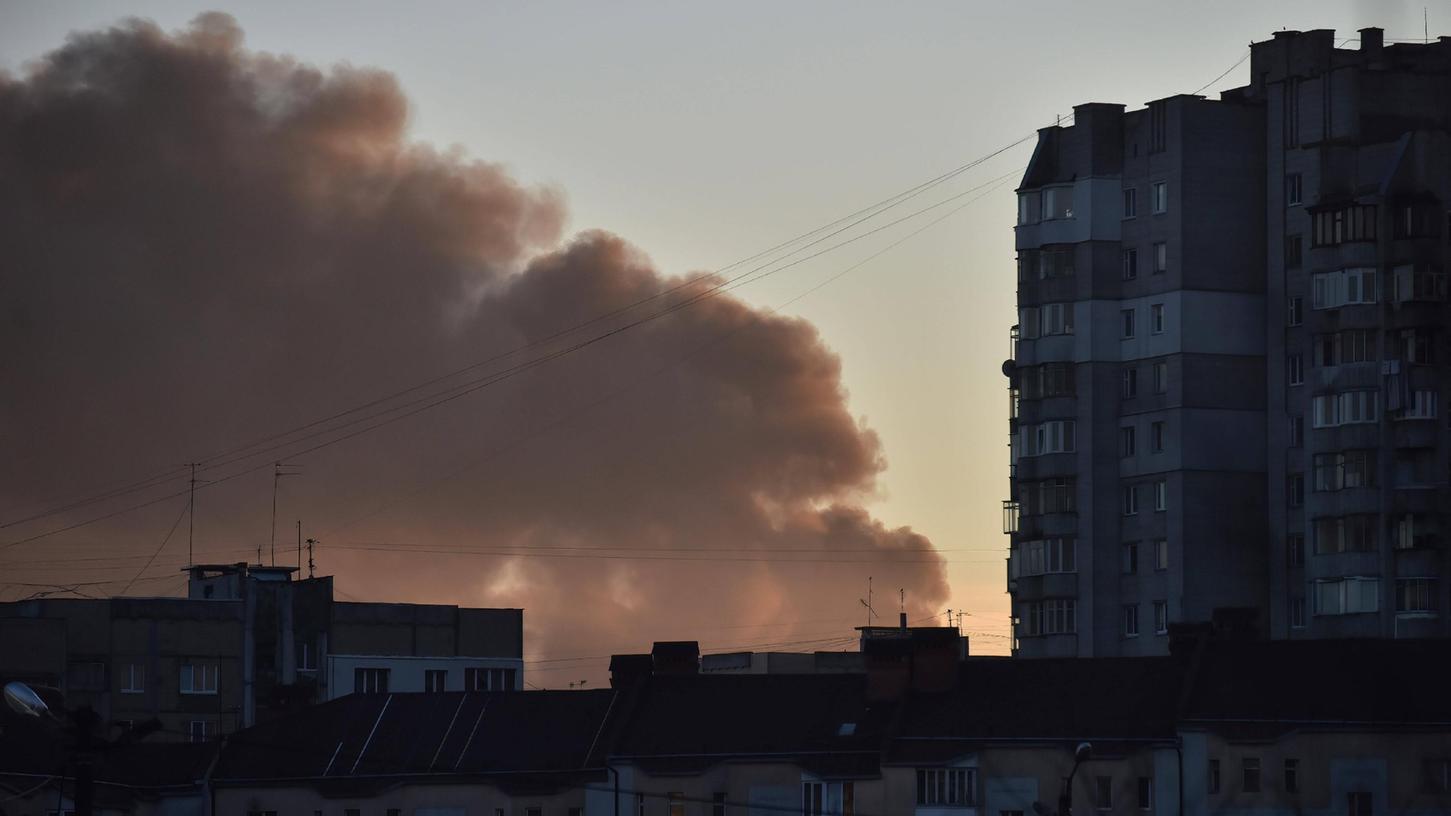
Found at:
<point>1010,517</point>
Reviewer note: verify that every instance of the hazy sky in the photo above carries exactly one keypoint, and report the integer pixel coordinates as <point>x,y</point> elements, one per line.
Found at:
<point>705,133</point>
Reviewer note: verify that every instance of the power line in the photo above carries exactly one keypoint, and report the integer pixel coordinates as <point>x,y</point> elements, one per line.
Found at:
<point>159,548</point>
<point>444,396</point>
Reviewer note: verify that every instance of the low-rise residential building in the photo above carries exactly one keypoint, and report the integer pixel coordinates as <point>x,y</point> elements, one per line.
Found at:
<point>249,643</point>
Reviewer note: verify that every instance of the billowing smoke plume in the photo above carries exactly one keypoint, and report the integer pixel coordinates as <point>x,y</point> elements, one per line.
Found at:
<point>201,245</point>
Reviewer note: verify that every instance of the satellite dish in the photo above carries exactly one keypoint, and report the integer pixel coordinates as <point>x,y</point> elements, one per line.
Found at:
<point>23,700</point>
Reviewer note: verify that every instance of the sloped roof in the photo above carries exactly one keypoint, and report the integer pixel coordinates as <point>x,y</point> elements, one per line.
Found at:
<point>1341,682</point>
<point>1013,699</point>
<point>680,722</point>
<point>461,733</point>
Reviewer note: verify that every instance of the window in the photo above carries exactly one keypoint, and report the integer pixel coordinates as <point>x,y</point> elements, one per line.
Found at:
<point>435,680</point>
<point>1296,314</point>
<point>1131,202</point>
<point>1156,318</point>
<point>1295,550</point>
<point>718,804</point>
<point>1341,534</point>
<point>1297,431</point>
<point>1161,258</point>
<point>1131,558</point>
<point>484,679</point>
<point>1358,803</point>
<point>640,804</point>
<point>947,786</point>
<point>305,658</point>
<point>198,678</point>
<point>674,804</point>
<point>1103,792</point>
<point>1412,284</point>
<point>1050,319</point>
<point>1131,620</point>
<point>133,678</point>
<point>1347,596</point>
<point>1131,264</point>
<point>1161,554</point>
<point>1161,495</point>
<point>1416,595</point>
<point>1055,495</point>
<point>86,675</point>
<point>1130,382</point>
<point>1292,776</point>
<point>1294,256</point>
<point>1350,346</point>
<point>1415,346</point>
<point>1057,616</point>
<point>1131,500</point>
<point>1294,189</point>
<point>1126,441</point>
<point>1344,470</point>
<point>1295,490</point>
<point>1161,378</point>
<point>1128,323</point>
<point>1047,380</point>
<point>1355,222</point>
<point>1292,112</point>
<point>1438,775</point>
<point>1057,203</point>
<point>1146,793</point>
<point>1156,437</point>
<point>1250,775</point>
<point>370,681</point>
<point>1421,406</point>
<point>1295,369</point>
<point>1054,436</point>
<point>1158,127</point>
<point>1297,612</point>
<point>1161,617</point>
<point>1053,555</point>
<point>1345,287</point>
<point>1160,197</point>
<point>1213,781</point>
<point>199,731</point>
<point>1413,531</point>
<point>1055,263</point>
<point>1028,207</point>
<point>1344,408</point>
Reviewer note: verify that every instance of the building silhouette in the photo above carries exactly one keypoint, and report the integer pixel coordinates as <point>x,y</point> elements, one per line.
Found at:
<point>1229,358</point>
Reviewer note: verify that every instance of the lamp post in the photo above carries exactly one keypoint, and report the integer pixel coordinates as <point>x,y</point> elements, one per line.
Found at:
<point>84,745</point>
<point>1081,755</point>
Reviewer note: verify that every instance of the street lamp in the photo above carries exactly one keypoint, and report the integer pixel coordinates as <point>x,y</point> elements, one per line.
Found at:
<point>84,745</point>
<point>1081,755</point>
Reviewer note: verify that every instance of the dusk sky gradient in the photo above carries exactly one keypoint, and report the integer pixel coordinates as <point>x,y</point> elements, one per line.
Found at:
<point>704,134</point>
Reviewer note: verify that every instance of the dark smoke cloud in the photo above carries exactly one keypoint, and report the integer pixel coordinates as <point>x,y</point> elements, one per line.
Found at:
<point>202,244</point>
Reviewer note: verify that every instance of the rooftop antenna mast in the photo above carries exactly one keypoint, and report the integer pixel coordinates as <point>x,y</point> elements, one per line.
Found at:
<point>277,474</point>
<point>191,513</point>
<point>310,542</point>
<point>867,602</point>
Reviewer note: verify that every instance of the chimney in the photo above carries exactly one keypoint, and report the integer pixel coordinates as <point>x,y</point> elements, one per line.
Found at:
<point>628,669</point>
<point>1372,41</point>
<point>902,621</point>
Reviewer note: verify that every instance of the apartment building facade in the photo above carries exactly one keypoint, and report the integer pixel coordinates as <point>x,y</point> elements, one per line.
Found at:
<point>1223,383</point>
<point>248,644</point>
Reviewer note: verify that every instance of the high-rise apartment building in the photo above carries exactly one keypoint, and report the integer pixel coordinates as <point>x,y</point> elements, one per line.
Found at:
<point>1231,348</point>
